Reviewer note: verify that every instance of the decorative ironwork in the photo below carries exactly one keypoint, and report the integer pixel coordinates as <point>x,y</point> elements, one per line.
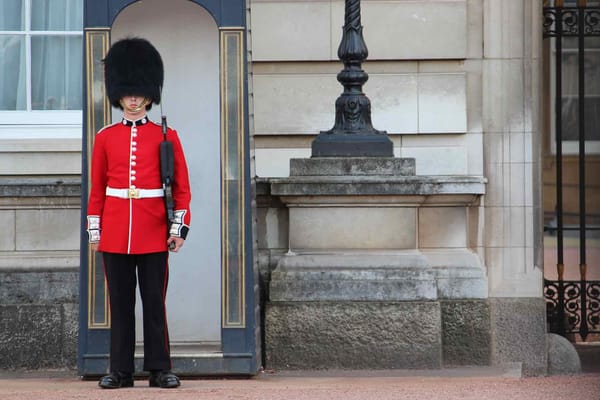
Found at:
<point>569,309</point>
<point>353,133</point>
<point>572,306</point>
<point>564,21</point>
<point>592,22</point>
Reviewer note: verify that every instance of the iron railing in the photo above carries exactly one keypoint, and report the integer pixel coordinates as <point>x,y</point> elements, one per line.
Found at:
<point>572,306</point>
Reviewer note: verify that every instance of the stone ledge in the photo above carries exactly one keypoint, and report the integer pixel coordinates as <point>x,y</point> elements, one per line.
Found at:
<point>39,261</point>
<point>353,277</point>
<point>59,186</point>
<point>472,186</point>
<point>459,274</point>
<point>392,276</point>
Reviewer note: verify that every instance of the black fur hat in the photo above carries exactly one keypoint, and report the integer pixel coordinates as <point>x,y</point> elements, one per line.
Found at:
<point>133,66</point>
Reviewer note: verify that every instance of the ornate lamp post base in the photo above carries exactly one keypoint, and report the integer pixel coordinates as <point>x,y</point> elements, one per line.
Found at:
<point>353,134</point>
<point>352,145</point>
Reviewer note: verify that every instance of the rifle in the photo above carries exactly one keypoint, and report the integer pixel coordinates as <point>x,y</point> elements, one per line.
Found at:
<point>167,174</point>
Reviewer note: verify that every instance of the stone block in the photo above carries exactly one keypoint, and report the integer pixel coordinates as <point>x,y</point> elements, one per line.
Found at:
<point>41,162</point>
<point>336,166</point>
<point>475,158</point>
<point>459,274</point>
<point>31,336</point>
<point>353,335</point>
<point>449,160</point>
<point>352,228</point>
<point>37,229</point>
<point>389,111</point>
<point>496,224</point>
<point>511,274</point>
<point>466,332</point>
<point>442,103</point>
<point>503,96</point>
<point>441,25</point>
<point>311,30</point>
<point>442,227</point>
<point>500,18</point>
<point>291,30</point>
<point>294,103</point>
<point>272,227</point>
<point>39,318</point>
<point>70,331</point>
<point>517,184</point>
<point>303,102</point>
<point>275,162</point>
<point>519,333</point>
<point>461,282</point>
<point>7,222</point>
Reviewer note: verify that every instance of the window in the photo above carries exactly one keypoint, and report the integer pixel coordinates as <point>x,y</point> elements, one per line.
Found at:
<point>41,61</point>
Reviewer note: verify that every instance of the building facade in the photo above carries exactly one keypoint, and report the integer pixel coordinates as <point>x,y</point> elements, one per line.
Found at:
<point>462,87</point>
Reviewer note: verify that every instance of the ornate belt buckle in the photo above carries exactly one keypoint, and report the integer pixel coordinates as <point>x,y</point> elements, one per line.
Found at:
<point>134,193</point>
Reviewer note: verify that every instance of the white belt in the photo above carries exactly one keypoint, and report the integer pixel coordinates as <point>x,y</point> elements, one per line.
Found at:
<point>134,193</point>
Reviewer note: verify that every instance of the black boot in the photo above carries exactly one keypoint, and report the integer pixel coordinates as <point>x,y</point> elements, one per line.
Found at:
<point>116,379</point>
<point>163,379</point>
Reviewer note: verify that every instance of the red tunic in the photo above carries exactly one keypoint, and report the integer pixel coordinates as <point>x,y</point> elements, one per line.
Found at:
<point>127,156</point>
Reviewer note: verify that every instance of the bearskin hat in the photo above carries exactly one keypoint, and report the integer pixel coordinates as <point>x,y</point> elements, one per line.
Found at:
<point>133,66</point>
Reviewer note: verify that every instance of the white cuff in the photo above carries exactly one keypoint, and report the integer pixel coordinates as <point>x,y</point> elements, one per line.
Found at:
<point>178,228</point>
<point>93,228</point>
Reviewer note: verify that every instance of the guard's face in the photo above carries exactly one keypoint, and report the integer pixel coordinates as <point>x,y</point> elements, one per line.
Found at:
<point>134,104</point>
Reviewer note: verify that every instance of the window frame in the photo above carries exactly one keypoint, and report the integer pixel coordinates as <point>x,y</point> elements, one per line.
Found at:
<point>39,123</point>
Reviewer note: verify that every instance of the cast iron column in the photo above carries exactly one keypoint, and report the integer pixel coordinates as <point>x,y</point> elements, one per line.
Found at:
<point>353,134</point>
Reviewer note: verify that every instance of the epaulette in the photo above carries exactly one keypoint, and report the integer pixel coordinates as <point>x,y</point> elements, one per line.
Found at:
<point>107,126</point>
<point>160,125</point>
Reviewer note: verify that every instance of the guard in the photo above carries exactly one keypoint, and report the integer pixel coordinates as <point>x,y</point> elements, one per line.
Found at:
<point>127,218</point>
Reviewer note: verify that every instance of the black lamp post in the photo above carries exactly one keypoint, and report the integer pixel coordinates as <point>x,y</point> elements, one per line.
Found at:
<point>353,134</point>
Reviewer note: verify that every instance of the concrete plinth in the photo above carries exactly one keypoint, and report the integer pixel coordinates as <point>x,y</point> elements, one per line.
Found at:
<point>519,333</point>
<point>357,310</point>
<point>356,290</point>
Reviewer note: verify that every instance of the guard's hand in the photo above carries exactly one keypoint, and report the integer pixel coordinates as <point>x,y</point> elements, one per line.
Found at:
<point>175,243</point>
<point>94,246</point>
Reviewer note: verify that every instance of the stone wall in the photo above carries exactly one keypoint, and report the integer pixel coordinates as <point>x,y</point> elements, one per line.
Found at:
<point>39,272</point>
<point>424,79</point>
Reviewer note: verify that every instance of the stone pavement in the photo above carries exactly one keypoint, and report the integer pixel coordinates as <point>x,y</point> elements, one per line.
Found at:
<point>497,383</point>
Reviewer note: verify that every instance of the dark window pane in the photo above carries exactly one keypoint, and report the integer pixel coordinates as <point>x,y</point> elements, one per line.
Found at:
<point>13,84</point>
<point>12,15</point>
<point>56,15</point>
<point>56,75</point>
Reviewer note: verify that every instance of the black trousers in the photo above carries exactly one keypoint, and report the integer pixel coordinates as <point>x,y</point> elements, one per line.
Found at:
<point>152,275</point>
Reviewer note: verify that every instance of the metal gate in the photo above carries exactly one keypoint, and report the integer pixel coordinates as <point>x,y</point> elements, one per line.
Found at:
<point>573,28</point>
